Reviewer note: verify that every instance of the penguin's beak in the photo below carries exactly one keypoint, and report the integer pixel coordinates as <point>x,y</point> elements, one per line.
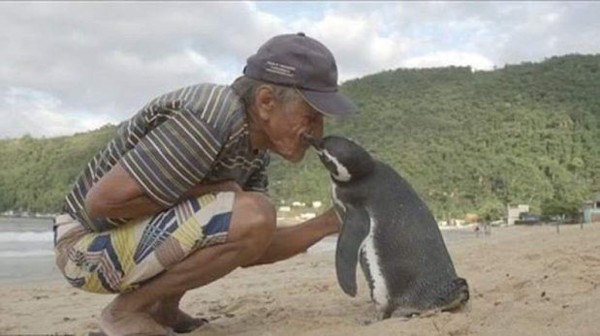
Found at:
<point>316,143</point>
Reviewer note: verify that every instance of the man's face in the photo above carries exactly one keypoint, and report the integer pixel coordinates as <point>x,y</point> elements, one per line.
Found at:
<point>288,122</point>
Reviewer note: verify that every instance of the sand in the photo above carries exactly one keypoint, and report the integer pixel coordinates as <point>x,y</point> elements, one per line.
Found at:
<point>524,281</point>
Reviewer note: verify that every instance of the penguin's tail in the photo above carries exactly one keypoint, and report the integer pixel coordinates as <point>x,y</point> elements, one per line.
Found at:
<point>457,295</point>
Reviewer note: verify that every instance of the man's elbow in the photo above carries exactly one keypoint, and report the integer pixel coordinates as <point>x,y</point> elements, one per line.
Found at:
<point>96,206</point>
<point>108,195</point>
<point>103,202</point>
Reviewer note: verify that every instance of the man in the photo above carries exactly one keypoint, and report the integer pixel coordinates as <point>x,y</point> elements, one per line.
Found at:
<point>177,199</point>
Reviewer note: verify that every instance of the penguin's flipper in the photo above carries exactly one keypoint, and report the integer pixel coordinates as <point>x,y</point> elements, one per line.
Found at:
<point>353,232</point>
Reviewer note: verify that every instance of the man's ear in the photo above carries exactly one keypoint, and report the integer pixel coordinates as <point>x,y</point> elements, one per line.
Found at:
<point>265,101</point>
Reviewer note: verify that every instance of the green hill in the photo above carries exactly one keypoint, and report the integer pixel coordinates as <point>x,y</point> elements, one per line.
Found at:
<point>35,174</point>
<point>469,142</point>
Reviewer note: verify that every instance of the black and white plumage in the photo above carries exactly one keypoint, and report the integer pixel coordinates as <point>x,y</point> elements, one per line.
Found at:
<point>390,231</point>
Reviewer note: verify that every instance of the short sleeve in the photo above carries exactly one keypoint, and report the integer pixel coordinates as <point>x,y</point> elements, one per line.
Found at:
<point>173,157</point>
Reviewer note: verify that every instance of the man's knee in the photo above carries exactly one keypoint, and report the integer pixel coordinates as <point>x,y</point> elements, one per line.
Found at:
<point>253,222</point>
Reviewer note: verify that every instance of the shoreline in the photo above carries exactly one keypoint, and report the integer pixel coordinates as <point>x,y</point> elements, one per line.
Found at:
<point>29,256</point>
<point>523,280</point>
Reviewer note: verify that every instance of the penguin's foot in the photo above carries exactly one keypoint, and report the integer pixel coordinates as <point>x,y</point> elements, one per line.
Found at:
<point>408,312</point>
<point>403,313</point>
<point>460,293</point>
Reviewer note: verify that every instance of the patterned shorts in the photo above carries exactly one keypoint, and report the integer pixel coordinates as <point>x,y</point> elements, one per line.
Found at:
<point>120,260</point>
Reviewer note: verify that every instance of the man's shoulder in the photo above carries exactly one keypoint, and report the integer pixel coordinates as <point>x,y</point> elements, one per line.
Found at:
<point>216,106</point>
<point>210,101</point>
<point>196,96</point>
<point>208,92</point>
<point>205,87</point>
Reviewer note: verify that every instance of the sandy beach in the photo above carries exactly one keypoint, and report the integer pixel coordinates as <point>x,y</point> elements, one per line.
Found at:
<point>523,280</point>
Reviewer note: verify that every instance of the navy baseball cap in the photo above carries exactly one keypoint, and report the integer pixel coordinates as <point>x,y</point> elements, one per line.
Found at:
<point>304,63</point>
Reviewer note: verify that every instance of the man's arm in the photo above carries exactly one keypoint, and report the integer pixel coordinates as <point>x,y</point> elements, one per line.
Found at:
<point>289,241</point>
<point>118,195</point>
<point>203,189</point>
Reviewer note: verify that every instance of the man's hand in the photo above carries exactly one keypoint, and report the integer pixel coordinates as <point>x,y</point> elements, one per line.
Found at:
<point>332,220</point>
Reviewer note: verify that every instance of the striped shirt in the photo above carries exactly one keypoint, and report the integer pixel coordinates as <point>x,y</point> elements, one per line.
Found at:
<point>197,134</point>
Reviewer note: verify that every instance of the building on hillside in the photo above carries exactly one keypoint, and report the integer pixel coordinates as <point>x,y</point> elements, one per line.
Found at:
<point>513,212</point>
<point>591,209</point>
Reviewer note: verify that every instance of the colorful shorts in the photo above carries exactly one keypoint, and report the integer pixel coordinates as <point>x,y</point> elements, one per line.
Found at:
<point>120,260</point>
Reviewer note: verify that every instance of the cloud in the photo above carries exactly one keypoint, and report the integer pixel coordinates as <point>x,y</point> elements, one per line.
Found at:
<point>356,40</point>
<point>550,29</point>
<point>109,59</point>
<point>84,63</point>
<point>38,113</point>
<point>448,58</point>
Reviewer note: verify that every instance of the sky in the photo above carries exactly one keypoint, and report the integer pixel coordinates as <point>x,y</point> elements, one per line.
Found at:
<point>68,67</point>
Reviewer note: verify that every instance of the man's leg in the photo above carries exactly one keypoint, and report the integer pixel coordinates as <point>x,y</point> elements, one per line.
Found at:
<point>251,230</point>
<point>289,241</point>
<point>286,242</point>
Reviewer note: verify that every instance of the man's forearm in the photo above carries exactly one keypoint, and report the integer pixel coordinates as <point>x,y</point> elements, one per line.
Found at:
<point>137,207</point>
<point>205,188</point>
<point>289,241</point>
<point>141,205</point>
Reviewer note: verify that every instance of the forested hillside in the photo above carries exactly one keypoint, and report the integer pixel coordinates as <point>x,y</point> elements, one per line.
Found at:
<point>469,142</point>
<point>35,174</point>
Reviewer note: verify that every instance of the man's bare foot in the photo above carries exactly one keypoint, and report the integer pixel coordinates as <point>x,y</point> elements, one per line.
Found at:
<point>176,319</point>
<point>114,322</point>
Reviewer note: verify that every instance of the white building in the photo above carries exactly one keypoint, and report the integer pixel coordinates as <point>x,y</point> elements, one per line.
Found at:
<point>513,212</point>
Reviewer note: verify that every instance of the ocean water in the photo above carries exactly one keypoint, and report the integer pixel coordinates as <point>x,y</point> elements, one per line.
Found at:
<point>26,248</point>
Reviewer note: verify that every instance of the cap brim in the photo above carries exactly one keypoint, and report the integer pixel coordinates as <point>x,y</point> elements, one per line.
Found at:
<point>332,104</point>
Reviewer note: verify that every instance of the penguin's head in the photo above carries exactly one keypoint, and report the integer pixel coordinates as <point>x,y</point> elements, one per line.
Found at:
<point>344,159</point>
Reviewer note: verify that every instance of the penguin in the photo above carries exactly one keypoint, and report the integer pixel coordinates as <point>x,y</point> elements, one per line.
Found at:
<point>390,231</point>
